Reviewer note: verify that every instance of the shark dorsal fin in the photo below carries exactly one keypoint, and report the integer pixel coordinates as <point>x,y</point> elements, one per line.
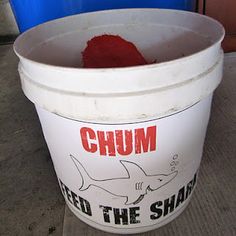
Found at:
<point>133,169</point>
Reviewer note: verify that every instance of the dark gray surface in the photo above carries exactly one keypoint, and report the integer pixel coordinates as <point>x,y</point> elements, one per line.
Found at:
<point>30,199</point>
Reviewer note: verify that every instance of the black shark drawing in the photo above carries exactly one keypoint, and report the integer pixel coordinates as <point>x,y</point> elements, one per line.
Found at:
<point>133,187</point>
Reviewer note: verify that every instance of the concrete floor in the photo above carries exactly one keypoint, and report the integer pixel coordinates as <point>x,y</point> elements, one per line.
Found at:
<point>30,198</point>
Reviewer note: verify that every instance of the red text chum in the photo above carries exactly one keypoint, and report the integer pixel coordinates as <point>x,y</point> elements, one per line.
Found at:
<point>119,142</point>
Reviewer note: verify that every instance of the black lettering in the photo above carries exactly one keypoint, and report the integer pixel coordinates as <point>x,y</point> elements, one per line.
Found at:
<point>180,197</point>
<point>194,180</point>
<point>75,201</point>
<point>188,189</point>
<point>106,215</point>
<point>62,187</point>
<point>85,206</point>
<point>68,194</point>
<point>134,215</point>
<point>120,214</point>
<point>169,206</point>
<point>190,186</point>
<point>158,211</point>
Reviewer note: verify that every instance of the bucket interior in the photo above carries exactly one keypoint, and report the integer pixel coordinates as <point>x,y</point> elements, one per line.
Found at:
<point>159,36</point>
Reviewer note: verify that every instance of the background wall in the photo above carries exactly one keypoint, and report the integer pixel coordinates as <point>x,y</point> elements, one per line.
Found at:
<point>225,12</point>
<point>7,21</point>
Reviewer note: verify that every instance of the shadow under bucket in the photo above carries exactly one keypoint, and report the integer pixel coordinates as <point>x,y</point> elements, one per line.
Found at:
<point>126,143</point>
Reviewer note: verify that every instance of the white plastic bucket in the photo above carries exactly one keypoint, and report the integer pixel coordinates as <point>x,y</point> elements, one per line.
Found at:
<point>126,143</point>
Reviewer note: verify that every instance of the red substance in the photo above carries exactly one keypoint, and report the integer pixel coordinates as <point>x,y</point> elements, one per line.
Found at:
<point>108,51</point>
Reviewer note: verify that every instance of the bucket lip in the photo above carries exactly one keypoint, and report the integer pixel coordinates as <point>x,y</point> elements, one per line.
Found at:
<point>121,69</point>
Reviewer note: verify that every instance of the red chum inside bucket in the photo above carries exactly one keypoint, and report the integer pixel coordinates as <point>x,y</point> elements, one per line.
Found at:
<point>109,51</point>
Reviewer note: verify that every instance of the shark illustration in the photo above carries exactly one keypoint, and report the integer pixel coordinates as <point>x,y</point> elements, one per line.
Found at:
<point>133,187</point>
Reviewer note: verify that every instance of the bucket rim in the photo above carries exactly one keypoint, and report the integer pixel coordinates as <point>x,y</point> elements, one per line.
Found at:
<point>120,69</point>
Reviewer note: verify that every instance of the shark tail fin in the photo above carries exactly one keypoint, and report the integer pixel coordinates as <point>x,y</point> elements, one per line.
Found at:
<point>86,179</point>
